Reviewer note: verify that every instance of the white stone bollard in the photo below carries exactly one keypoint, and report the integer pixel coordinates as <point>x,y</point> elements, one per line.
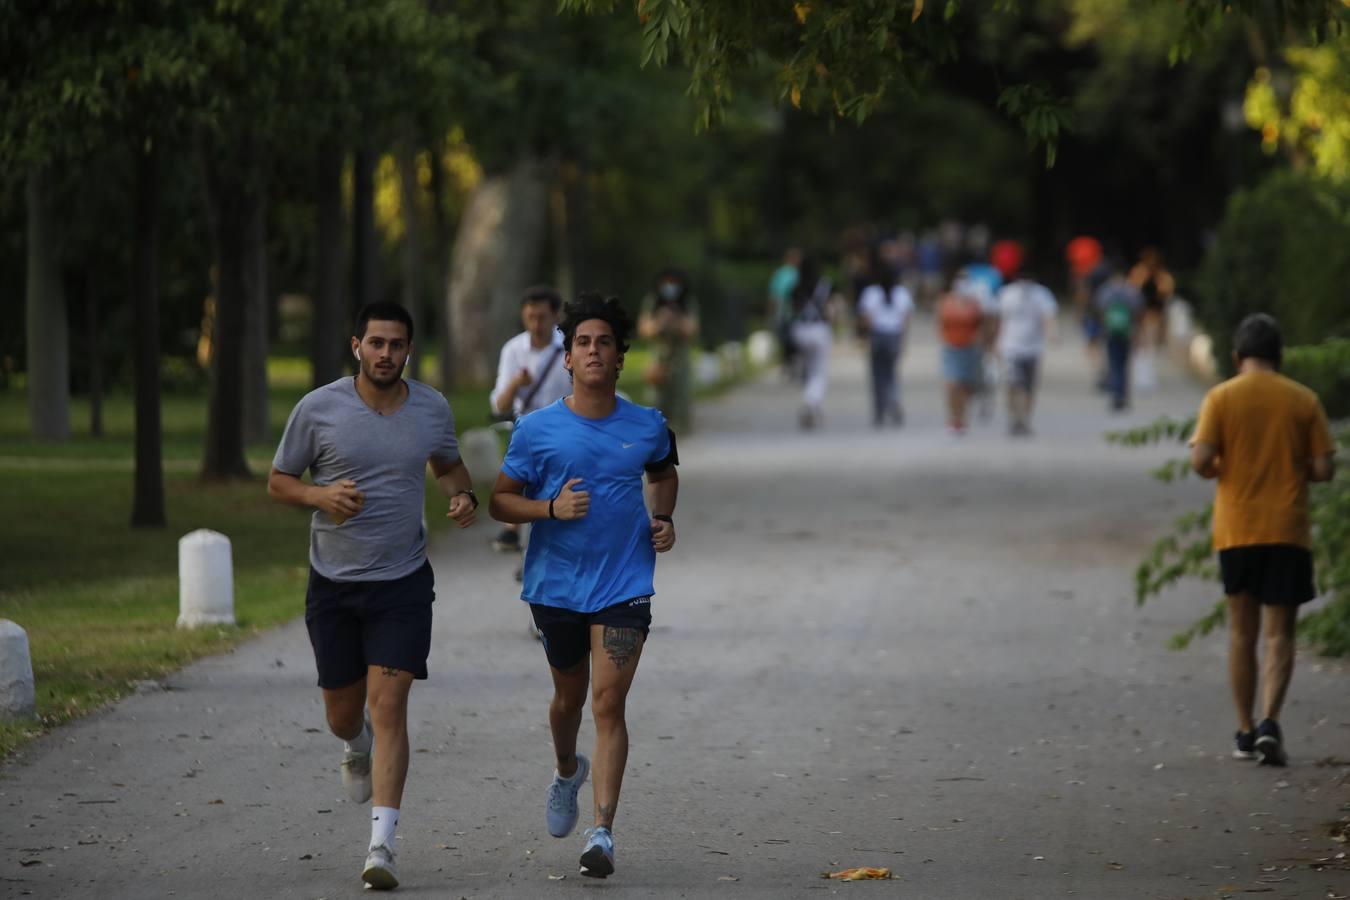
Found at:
<point>762,348</point>
<point>482,453</point>
<point>18,698</point>
<point>205,579</point>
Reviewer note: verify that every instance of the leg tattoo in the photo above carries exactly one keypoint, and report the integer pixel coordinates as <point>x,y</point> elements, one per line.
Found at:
<point>621,644</point>
<point>390,671</point>
<point>605,813</point>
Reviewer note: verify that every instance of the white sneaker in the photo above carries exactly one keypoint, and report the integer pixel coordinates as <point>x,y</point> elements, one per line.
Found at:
<point>379,870</point>
<point>561,810</point>
<point>356,771</point>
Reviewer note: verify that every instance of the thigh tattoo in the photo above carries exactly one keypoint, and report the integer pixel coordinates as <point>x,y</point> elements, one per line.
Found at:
<point>621,644</point>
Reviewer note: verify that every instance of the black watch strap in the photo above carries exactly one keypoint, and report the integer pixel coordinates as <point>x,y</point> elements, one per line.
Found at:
<point>472,496</point>
<point>662,517</point>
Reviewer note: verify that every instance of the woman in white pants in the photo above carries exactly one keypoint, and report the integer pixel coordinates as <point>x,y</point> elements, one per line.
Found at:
<point>812,334</point>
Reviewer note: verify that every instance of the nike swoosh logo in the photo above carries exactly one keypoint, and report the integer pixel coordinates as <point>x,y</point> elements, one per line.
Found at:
<point>626,445</point>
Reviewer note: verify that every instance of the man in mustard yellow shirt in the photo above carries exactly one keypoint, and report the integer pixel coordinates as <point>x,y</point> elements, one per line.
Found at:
<point>1264,437</point>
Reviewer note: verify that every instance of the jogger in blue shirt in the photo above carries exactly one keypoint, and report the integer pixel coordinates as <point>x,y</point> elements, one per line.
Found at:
<point>575,469</point>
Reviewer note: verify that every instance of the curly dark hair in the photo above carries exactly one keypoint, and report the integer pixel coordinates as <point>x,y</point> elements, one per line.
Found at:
<point>590,305</point>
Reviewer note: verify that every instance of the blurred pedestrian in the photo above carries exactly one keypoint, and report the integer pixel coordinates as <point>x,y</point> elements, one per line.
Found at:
<point>669,320</point>
<point>779,313</point>
<point>884,310</point>
<point>812,334</point>
<point>1156,286</point>
<point>1119,306</point>
<point>530,374</point>
<point>1264,437</point>
<point>1027,312</point>
<point>960,318</point>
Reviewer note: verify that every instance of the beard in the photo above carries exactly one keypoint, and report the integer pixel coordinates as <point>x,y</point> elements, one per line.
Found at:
<point>381,378</point>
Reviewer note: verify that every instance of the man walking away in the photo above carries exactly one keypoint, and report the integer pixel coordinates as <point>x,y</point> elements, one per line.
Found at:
<point>1026,319</point>
<point>366,442</point>
<point>1264,437</point>
<point>1119,306</point>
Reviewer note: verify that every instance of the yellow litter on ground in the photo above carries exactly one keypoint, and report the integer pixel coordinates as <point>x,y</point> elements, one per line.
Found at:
<point>860,873</point>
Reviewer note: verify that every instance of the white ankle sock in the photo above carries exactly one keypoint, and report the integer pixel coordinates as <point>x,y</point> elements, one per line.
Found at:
<point>363,741</point>
<point>383,821</point>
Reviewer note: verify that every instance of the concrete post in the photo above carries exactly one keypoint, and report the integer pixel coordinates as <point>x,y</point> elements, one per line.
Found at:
<point>205,580</point>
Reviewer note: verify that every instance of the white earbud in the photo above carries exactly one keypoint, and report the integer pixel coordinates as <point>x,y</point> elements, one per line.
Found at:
<point>357,354</point>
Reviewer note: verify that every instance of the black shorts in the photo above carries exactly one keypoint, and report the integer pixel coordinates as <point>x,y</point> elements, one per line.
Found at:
<point>1276,574</point>
<point>356,624</point>
<point>567,633</point>
<point>1023,372</point>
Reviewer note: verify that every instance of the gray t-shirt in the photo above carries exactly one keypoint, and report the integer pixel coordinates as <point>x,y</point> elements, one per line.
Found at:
<point>334,434</point>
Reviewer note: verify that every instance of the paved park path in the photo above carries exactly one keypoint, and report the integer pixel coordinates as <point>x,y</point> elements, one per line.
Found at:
<point>871,648</point>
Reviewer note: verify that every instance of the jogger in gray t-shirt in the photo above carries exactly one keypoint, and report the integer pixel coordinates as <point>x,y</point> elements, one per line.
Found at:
<point>366,442</point>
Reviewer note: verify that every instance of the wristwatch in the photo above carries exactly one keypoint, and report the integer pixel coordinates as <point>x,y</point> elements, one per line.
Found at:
<point>472,496</point>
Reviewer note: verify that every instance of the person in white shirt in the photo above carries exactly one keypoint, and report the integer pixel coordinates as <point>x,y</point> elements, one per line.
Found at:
<point>530,373</point>
<point>884,309</point>
<point>1027,313</point>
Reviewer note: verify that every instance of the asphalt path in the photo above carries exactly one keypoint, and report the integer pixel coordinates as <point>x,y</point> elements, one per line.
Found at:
<point>870,648</point>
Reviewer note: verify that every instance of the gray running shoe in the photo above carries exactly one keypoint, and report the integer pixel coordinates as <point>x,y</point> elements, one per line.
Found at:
<point>561,810</point>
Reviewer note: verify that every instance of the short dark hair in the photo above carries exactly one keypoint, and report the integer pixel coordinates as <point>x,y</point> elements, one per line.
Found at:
<point>590,305</point>
<point>382,311</point>
<point>1258,337</point>
<point>542,293</point>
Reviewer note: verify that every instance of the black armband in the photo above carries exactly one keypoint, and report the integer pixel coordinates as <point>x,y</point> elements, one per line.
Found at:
<point>671,459</point>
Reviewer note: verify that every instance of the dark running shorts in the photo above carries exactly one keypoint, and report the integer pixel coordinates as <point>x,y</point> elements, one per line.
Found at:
<point>567,633</point>
<point>1023,372</point>
<point>1277,574</point>
<point>355,624</point>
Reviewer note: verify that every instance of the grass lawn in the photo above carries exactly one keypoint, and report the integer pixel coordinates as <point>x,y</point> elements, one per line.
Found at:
<point>99,599</point>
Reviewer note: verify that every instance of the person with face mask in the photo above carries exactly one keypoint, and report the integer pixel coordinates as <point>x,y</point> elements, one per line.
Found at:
<point>669,320</point>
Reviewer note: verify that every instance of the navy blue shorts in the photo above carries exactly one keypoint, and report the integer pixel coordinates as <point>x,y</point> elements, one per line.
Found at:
<point>1275,574</point>
<point>356,624</point>
<point>1023,372</point>
<point>567,633</point>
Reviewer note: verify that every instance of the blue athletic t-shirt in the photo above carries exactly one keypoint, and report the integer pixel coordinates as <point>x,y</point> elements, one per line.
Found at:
<point>606,556</point>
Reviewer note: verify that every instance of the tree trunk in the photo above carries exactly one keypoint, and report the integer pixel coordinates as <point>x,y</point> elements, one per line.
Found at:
<point>48,349</point>
<point>497,255</point>
<point>442,238</point>
<point>231,203</point>
<point>412,250</point>
<point>80,291</point>
<point>147,503</point>
<point>329,329</point>
<point>257,317</point>
<point>365,277</point>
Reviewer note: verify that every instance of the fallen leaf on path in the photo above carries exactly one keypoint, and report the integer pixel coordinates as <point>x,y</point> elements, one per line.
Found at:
<point>728,878</point>
<point>860,873</point>
<point>556,877</point>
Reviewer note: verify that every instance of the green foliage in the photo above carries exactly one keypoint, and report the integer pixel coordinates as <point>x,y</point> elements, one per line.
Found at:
<point>1312,20</point>
<point>1280,250</point>
<point>1043,116</point>
<point>1186,551</point>
<point>1325,368</point>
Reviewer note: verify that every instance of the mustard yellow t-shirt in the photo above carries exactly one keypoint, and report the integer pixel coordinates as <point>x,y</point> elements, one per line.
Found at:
<point>1265,428</point>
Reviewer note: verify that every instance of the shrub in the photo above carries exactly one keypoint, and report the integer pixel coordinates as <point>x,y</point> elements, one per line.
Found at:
<point>1281,249</point>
